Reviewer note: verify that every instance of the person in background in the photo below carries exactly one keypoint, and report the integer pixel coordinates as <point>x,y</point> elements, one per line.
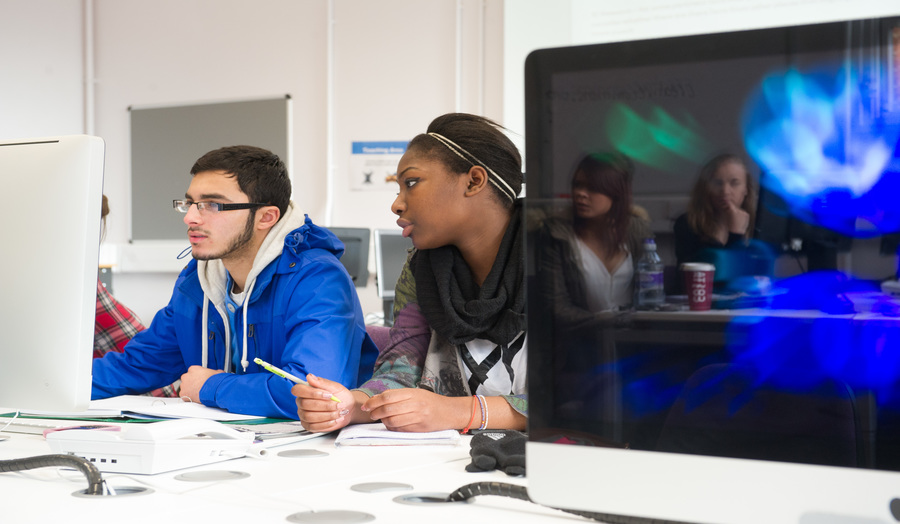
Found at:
<point>585,272</point>
<point>718,226</point>
<point>592,250</point>
<point>457,354</point>
<point>721,211</point>
<point>115,324</point>
<point>265,283</point>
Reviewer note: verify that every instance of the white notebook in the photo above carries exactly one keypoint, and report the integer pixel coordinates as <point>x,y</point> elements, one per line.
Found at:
<point>378,435</point>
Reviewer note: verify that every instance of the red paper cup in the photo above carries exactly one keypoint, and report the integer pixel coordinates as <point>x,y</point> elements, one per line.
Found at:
<point>698,283</point>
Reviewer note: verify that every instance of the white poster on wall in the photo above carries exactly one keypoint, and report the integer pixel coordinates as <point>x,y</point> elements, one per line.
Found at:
<point>373,165</point>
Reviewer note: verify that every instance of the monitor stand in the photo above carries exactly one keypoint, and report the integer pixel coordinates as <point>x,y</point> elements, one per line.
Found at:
<point>388,311</point>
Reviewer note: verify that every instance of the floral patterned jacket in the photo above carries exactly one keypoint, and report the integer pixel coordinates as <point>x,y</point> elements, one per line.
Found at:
<point>418,357</point>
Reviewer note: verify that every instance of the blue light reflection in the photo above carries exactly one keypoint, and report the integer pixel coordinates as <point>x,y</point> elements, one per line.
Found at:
<point>829,139</point>
<point>855,343</point>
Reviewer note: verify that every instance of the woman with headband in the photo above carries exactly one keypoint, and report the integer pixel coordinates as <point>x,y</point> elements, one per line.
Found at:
<point>457,352</point>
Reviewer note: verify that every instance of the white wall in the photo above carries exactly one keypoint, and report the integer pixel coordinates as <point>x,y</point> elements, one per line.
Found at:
<point>41,63</point>
<point>356,70</point>
<point>399,64</point>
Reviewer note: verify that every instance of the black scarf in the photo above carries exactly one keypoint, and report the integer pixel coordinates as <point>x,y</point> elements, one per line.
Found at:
<point>453,304</point>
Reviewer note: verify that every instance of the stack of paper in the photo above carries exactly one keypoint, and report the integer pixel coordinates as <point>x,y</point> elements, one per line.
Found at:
<point>140,406</point>
<point>378,435</point>
<point>276,430</point>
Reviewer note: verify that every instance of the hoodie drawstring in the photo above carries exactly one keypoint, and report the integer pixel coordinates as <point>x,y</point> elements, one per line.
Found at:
<point>204,333</point>
<point>244,361</point>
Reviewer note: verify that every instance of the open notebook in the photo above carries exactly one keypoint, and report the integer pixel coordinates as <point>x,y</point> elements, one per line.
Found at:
<point>378,435</point>
<point>144,407</point>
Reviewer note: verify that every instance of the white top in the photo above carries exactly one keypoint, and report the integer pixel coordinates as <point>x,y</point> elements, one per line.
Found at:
<point>498,382</point>
<point>605,291</point>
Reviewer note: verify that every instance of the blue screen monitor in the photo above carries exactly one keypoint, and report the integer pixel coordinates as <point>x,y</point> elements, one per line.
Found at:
<point>51,211</point>
<point>782,404</point>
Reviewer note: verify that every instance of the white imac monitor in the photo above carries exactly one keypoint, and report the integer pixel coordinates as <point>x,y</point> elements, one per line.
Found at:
<point>391,251</point>
<point>51,236</point>
<point>782,403</point>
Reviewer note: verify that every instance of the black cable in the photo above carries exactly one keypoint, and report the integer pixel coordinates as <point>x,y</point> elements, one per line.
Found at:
<point>90,471</point>
<point>796,256</point>
<point>521,492</point>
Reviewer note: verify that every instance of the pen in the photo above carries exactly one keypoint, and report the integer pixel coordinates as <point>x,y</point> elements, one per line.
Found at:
<point>284,374</point>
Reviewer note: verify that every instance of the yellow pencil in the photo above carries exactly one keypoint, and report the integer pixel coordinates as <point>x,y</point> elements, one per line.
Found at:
<point>284,374</point>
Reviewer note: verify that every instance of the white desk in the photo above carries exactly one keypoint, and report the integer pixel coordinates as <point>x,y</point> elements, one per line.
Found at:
<point>277,487</point>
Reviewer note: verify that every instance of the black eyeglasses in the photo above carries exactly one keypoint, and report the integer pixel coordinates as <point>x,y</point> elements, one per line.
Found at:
<point>212,207</point>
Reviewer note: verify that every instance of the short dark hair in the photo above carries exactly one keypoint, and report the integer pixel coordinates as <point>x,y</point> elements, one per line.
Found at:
<point>482,138</point>
<point>260,174</point>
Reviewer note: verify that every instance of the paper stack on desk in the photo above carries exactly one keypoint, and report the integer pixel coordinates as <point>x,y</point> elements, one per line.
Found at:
<point>144,407</point>
<point>378,435</point>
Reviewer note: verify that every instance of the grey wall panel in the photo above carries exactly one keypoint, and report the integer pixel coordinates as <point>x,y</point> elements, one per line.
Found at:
<point>166,141</point>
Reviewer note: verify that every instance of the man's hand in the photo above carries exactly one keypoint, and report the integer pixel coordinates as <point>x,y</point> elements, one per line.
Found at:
<point>193,380</point>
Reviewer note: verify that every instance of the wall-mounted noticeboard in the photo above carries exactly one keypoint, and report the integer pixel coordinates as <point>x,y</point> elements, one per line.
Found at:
<point>166,141</point>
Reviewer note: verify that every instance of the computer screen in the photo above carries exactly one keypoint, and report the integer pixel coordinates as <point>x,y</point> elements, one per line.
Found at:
<point>391,252</point>
<point>786,233</point>
<point>356,252</point>
<point>780,405</point>
<point>51,236</point>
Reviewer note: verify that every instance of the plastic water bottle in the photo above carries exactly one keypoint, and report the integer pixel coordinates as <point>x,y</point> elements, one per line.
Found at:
<point>648,285</point>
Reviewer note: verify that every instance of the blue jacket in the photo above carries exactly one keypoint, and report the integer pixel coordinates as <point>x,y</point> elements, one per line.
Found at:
<point>304,316</point>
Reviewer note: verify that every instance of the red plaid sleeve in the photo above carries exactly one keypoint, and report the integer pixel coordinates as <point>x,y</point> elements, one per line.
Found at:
<point>115,324</point>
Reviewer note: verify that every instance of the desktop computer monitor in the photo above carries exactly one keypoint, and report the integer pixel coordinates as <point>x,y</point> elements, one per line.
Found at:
<point>51,236</point>
<point>773,415</point>
<point>777,226</point>
<point>356,252</point>
<point>391,251</point>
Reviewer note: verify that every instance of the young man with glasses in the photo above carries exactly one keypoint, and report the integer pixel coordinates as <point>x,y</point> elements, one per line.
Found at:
<point>265,283</point>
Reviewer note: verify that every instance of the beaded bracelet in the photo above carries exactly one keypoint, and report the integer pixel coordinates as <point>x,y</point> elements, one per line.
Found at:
<point>484,411</point>
<point>472,419</point>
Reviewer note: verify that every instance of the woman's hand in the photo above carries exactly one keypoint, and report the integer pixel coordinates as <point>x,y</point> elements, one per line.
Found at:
<point>317,411</point>
<point>414,409</point>
<point>736,219</point>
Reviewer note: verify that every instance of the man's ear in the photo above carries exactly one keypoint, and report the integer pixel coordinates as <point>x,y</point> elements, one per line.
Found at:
<point>477,180</point>
<point>267,216</point>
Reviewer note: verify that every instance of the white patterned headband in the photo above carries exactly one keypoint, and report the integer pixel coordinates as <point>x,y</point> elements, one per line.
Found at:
<point>472,159</point>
